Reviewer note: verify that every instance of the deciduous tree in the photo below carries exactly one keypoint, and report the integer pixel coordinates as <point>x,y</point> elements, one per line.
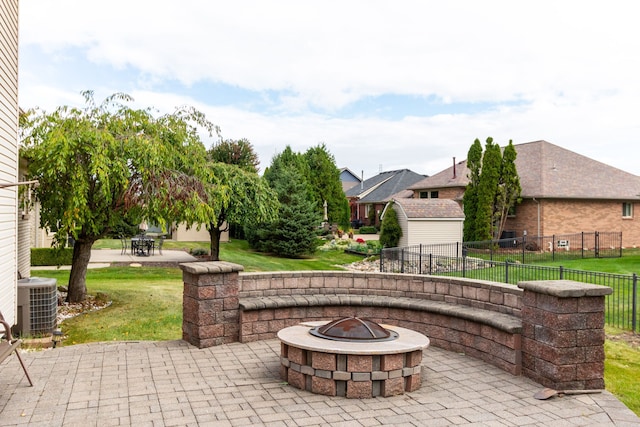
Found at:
<point>99,164</point>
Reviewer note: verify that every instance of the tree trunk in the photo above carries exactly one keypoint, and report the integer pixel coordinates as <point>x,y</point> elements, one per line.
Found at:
<point>214,235</point>
<point>78,276</point>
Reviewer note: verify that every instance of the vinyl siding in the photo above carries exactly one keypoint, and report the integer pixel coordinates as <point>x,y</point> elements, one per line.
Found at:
<point>434,231</point>
<point>8,155</point>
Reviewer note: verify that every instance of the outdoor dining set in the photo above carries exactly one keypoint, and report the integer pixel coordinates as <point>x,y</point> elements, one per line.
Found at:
<point>142,245</point>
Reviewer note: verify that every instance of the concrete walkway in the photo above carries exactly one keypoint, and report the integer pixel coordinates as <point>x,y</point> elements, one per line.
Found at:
<point>174,384</point>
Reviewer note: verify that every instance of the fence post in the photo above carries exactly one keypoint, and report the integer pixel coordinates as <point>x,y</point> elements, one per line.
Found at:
<point>506,271</point>
<point>582,246</point>
<point>402,260</point>
<point>561,273</point>
<point>430,264</point>
<point>597,249</point>
<point>634,306</point>
<point>620,244</point>
<point>524,243</point>
<point>381,260</point>
<point>553,247</point>
<point>420,260</point>
<point>464,265</point>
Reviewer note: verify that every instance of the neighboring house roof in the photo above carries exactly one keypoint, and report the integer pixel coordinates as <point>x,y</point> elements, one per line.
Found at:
<point>348,179</point>
<point>382,186</point>
<point>430,208</point>
<point>549,171</point>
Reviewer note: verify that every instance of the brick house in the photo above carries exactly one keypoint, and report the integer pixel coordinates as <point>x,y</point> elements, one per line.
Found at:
<point>562,192</point>
<point>368,199</point>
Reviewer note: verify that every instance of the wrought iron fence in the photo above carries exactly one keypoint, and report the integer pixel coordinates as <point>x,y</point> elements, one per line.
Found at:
<point>528,249</point>
<point>621,305</point>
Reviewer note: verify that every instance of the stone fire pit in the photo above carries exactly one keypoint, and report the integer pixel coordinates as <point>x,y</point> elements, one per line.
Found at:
<point>380,360</point>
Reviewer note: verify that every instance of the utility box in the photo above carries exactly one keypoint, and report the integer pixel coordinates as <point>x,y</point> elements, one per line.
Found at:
<point>37,306</point>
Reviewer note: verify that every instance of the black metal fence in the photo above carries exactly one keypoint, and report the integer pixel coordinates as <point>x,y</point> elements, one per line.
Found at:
<point>526,249</point>
<point>495,265</point>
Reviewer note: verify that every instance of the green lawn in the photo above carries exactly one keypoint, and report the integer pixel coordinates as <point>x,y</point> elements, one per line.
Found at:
<point>147,304</point>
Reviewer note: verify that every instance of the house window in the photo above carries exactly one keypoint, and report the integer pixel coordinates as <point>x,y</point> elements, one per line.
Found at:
<point>366,210</point>
<point>428,194</point>
<point>627,210</point>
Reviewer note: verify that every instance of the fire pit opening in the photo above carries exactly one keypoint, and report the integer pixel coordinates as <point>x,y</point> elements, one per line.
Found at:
<point>353,329</point>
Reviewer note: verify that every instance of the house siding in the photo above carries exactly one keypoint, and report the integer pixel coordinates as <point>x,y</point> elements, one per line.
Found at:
<point>434,231</point>
<point>8,156</point>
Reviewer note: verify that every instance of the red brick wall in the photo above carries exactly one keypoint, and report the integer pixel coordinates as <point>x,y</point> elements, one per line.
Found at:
<point>573,216</point>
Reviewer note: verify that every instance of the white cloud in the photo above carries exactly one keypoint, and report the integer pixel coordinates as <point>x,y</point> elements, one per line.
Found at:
<point>571,68</point>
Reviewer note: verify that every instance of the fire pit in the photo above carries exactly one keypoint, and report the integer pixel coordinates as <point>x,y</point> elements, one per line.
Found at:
<point>352,357</point>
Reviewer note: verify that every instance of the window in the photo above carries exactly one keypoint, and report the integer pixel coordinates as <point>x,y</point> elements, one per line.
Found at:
<point>428,194</point>
<point>627,210</point>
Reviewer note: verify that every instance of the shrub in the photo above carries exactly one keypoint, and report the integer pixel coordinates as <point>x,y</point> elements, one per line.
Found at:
<point>391,231</point>
<point>199,252</point>
<point>51,256</point>
<point>368,229</point>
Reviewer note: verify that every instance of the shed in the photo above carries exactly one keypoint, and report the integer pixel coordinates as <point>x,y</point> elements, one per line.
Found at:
<point>428,221</point>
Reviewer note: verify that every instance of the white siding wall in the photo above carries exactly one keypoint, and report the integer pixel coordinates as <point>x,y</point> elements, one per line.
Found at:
<point>404,226</point>
<point>8,156</point>
<point>434,231</point>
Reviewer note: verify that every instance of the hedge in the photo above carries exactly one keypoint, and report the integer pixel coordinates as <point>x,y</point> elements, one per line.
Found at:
<point>367,229</point>
<point>51,256</point>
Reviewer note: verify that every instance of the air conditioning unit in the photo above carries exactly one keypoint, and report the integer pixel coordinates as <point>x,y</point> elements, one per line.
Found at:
<point>37,306</point>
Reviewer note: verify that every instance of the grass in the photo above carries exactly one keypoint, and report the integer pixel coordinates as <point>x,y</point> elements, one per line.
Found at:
<point>147,303</point>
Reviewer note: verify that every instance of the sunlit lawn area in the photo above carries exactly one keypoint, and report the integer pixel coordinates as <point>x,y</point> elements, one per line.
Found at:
<point>147,304</point>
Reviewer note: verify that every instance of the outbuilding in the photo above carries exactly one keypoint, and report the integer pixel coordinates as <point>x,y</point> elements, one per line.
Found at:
<point>428,221</point>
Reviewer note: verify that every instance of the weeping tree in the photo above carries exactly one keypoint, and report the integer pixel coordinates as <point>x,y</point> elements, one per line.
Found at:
<point>101,164</point>
<point>233,195</point>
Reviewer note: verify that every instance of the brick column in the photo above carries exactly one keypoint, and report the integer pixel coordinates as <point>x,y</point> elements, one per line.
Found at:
<point>210,303</point>
<point>563,333</point>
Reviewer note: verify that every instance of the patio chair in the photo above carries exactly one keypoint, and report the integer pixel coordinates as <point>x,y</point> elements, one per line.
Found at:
<point>9,345</point>
<point>124,249</point>
<point>160,242</point>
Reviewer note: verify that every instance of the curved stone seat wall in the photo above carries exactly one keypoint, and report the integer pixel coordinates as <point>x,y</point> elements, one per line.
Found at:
<point>501,298</point>
<point>550,331</point>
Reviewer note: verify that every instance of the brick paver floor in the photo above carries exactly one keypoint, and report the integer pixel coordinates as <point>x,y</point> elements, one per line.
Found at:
<point>174,384</point>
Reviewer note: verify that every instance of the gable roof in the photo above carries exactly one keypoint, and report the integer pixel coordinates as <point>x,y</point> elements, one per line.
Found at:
<point>549,171</point>
<point>429,208</point>
<point>382,186</point>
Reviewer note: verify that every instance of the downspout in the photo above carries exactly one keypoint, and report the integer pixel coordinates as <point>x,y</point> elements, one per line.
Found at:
<point>538,203</point>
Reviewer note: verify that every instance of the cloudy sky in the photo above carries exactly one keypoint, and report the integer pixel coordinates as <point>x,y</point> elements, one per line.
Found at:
<point>385,85</point>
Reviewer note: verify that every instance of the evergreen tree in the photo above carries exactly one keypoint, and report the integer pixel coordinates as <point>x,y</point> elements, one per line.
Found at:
<point>294,233</point>
<point>470,198</point>
<point>324,179</point>
<point>390,232</point>
<point>508,192</point>
<point>487,189</point>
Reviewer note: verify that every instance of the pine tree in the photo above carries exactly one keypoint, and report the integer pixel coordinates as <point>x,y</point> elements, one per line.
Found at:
<point>294,233</point>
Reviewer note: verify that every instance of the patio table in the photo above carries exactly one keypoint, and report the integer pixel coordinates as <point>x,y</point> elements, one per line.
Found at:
<point>142,246</point>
